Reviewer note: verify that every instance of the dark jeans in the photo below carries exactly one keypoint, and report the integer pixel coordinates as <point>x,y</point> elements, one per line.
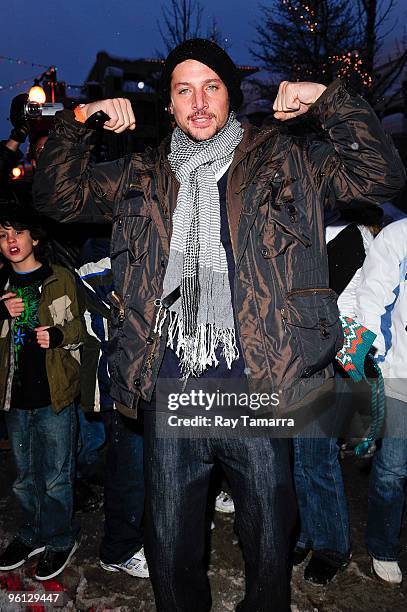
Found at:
<point>387,483</point>
<point>322,506</point>
<point>43,445</point>
<point>124,488</point>
<point>177,480</point>
<point>91,436</point>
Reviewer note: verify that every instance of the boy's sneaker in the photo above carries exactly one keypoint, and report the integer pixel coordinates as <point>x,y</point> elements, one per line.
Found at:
<point>53,562</point>
<point>17,554</point>
<point>224,503</point>
<point>135,566</point>
<point>387,571</point>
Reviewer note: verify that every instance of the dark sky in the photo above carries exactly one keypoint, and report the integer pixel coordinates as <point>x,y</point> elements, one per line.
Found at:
<point>69,33</point>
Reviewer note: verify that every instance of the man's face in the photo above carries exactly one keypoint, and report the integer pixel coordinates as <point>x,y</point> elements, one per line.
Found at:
<point>17,246</point>
<point>199,100</point>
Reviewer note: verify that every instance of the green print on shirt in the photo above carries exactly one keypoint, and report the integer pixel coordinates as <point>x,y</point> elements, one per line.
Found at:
<point>28,320</point>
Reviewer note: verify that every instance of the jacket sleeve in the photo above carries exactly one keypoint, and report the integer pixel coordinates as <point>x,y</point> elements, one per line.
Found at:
<point>67,186</point>
<point>358,163</point>
<point>383,270</point>
<point>73,328</point>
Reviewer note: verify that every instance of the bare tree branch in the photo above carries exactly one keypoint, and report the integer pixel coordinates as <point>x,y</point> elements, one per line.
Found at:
<point>322,39</point>
<point>181,20</point>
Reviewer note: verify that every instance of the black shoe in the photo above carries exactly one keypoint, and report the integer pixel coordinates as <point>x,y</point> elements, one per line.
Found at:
<point>17,554</point>
<point>53,562</point>
<point>299,555</point>
<point>321,571</point>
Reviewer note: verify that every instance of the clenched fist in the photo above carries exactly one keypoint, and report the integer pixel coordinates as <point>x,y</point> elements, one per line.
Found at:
<point>13,304</point>
<point>118,109</point>
<point>293,99</point>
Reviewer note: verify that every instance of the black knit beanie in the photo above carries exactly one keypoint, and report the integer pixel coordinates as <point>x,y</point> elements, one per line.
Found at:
<point>210,54</point>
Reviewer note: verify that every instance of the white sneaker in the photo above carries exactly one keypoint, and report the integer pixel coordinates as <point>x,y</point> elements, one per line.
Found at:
<point>387,571</point>
<point>224,503</point>
<point>135,566</point>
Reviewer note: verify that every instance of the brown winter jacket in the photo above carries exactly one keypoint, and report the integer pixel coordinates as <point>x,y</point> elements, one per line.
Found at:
<point>287,317</point>
<point>58,307</point>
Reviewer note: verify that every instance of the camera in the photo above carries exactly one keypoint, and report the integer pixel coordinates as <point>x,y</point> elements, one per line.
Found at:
<point>35,110</point>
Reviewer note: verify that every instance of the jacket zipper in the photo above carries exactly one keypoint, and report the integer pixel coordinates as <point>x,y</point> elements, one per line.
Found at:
<point>313,290</point>
<point>148,364</point>
<point>120,303</point>
<point>149,361</point>
<point>284,318</point>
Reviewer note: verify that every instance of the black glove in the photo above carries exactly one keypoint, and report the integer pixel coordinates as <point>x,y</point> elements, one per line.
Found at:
<point>17,118</point>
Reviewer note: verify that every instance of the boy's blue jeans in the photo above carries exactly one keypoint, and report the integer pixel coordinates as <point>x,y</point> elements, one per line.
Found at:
<point>321,498</point>
<point>43,445</point>
<point>387,483</point>
<point>322,505</point>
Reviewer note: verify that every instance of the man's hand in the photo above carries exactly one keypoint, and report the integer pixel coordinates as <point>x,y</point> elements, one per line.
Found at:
<point>17,117</point>
<point>43,336</point>
<point>293,99</point>
<point>13,304</point>
<point>118,109</point>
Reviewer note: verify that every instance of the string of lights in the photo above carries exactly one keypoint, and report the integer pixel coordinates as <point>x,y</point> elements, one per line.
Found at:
<point>16,85</point>
<point>304,11</point>
<point>14,60</point>
<point>344,63</point>
<point>351,62</point>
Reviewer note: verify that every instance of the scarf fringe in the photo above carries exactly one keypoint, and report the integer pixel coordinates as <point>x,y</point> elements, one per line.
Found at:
<point>160,319</point>
<point>196,353</point>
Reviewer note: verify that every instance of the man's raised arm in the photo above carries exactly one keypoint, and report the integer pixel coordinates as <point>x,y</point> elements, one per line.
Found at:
<point>67,187</point>
<point>358,162</point>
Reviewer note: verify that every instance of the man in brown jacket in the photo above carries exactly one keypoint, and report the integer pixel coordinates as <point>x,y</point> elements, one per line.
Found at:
<point>220,271</point>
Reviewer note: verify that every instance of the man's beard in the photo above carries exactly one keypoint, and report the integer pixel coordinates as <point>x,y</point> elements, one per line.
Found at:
<point>211,116</point>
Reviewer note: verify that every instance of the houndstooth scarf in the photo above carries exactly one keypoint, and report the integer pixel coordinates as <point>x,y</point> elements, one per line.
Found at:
<point>201,318</point>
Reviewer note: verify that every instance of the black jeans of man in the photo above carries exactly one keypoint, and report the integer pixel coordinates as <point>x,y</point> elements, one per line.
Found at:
<point>124,488</point>
<point>177,473</point>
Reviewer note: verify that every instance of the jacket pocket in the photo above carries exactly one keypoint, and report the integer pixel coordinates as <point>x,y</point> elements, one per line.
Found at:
<point>312,316</point>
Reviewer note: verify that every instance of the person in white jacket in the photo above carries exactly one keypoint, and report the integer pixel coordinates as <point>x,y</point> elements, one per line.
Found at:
<point>381,305</point>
